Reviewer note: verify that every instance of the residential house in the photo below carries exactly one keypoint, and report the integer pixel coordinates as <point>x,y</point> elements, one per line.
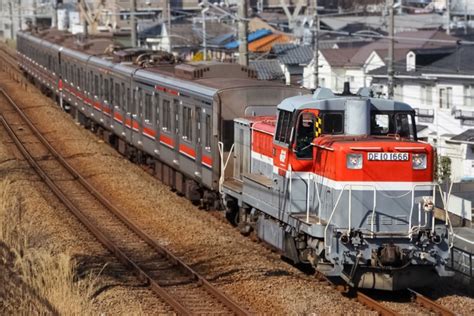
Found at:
<point>439,84</point>
<point>337,66</point>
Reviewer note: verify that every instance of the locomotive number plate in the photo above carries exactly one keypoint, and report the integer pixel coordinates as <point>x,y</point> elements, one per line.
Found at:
<point>388,156</point>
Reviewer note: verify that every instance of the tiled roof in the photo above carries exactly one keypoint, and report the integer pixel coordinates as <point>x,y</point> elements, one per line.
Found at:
<point>268,69</point>
<point>467,136</point>
<point>264,44</point>
<point>437,61</point>
<point>339,57</point>
<point>251,37</point>
<point>292,54</point>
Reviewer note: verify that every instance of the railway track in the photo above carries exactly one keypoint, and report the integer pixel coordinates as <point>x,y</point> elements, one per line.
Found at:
<point>176,283</point>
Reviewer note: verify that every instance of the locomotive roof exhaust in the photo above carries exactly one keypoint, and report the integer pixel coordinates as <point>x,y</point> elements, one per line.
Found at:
<point>357,116</point>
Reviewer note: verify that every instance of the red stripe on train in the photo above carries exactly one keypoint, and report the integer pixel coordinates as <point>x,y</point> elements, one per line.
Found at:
<point>188,151</point>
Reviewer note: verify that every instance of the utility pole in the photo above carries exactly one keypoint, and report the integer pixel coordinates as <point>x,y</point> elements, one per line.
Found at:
<point>133,24</point>
<point>204,34</point>
<point>33,18</point>
<point>391,32</point>
<point>19,15</point>
<point>10,12</point>
<point>54,18</point>
<point>448,13</point>
<point>243,47</point>
<point>316,45</point>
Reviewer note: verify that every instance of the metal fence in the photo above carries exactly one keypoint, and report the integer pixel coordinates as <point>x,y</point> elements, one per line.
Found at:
<point>461,261</point>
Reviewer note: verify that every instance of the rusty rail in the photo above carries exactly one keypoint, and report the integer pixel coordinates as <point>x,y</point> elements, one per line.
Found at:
<point>430,304</point>
<point>374,305</point>
<point>230,304</point>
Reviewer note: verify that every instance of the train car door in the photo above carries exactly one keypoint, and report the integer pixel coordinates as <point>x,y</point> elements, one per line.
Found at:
<point>176,110</point>
<point>156,120</point>
<point>199,138</point>
<point>187,146</point>
<point>131,111</point>
<point>148,130</point>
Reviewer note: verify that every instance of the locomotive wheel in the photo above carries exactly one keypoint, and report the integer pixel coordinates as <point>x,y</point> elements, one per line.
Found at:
<point>232,215</point>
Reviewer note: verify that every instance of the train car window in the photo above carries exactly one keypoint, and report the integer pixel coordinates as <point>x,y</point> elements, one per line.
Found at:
<point>333,123</point>
<point>157,111</point>
<point>166,115</point>
<point>117,95</point>
<point>96,85</point>
<point>207,139</point>
<point>79,77</point>
<point>111,89</point>
<point>71,74</point>
<point>283,132</point>
<point>176,115</point>
<point>187,123</point>
<point>123,101</point>
<point>106,90</point>
<point>101,91</point>
<point>148,108</point>
<point>305,135</point>
<point>65,71</point>
<point>128,100</point>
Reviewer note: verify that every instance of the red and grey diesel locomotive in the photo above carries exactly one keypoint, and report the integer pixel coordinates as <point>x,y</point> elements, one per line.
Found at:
<point>339,182</point>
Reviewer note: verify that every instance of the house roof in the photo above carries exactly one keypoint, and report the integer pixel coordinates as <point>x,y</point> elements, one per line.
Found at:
<point>250,38</point>
<point>446,61</point>
<point>339,57</point>
<point>402,22</point>
<point>464,137</point>
<point>256,24</point>
<point>292,54</point>
<point>264,44</point>
<point>268,69</point>
<point>404,40</point>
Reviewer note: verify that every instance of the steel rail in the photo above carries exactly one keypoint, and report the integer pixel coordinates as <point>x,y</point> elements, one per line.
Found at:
<point>430,304</point>
<point>374,305</point>
<point>230,304</point>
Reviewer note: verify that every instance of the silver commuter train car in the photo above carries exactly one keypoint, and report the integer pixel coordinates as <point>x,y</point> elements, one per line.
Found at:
<point>177,118</point>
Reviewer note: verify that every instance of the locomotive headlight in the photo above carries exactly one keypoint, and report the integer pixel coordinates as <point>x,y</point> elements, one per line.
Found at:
<point>418,161</point>
<point>354,161</point>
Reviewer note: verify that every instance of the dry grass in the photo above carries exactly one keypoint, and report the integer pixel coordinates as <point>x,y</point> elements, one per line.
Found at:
<point>34,281</point>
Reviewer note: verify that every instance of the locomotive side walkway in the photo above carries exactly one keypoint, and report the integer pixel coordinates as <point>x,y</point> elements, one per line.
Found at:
<point>464,238</point>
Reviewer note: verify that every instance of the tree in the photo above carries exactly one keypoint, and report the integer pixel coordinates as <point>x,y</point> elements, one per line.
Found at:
<point>444,169</point>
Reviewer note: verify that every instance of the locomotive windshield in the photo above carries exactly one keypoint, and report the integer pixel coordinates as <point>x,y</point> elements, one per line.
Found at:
<point>392,123</point>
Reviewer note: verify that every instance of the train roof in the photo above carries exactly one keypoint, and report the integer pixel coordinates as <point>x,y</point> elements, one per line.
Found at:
<point>324,99</point>
<point>210,76</point>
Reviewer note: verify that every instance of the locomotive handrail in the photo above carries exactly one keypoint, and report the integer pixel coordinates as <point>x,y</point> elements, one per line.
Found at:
<point>349,187</point>
<point>445,206</point>
<point>350,208</point>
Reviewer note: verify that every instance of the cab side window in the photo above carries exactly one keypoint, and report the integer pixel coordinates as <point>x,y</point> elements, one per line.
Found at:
<point>305,133</point>
<point>333,123</point>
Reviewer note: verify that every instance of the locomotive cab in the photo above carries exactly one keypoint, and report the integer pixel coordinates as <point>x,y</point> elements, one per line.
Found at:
<point>344,184</point>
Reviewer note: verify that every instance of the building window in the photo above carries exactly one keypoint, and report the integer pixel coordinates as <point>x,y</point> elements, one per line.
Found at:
<point>468,95</point>
<point>445,98</point>
<point>187,123</point>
